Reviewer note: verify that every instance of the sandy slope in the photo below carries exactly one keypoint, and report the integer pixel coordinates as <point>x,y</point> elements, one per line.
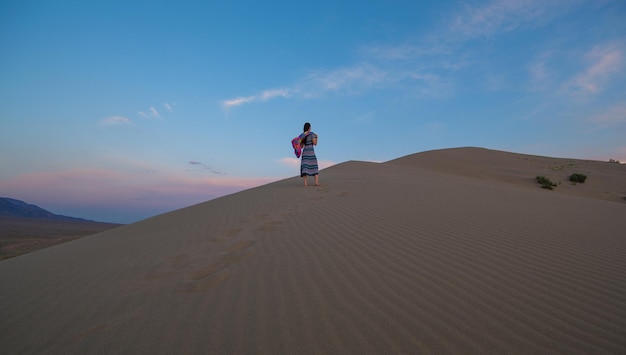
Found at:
<point>20,235</point>
<point>453,251</point>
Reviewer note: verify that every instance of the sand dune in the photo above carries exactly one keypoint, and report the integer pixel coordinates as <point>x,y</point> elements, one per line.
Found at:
<point>20,235</point>
<point>451,251</point>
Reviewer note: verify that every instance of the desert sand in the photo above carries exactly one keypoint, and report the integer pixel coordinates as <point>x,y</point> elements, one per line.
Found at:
<point>450,251</point>
<point>19,235</point>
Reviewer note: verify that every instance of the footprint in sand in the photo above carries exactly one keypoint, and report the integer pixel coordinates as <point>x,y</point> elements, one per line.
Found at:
<point>261,216</point>
<point>233,232</point>
<point>210,281</point>
<point>271,226</point>
<point>220,269</point>
<point>168,268</point>
<point>86,333</point>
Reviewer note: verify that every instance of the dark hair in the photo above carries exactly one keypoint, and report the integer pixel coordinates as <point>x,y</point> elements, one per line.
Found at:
<point>307,126</point>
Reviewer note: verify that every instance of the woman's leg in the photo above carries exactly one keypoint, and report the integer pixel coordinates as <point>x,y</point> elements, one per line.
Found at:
<point>305,182</point>
<point>317,180</point>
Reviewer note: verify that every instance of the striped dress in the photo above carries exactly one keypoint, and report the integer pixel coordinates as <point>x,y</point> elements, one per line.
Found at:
<point>308,164</point>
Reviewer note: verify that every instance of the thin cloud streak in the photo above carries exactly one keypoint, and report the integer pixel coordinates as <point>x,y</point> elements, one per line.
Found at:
<point>262,96</point>
<point>539,72</point>
<point>603,61</point>
<point>153,113</point>
<point>348,80</point>
<point>199,166</point>
<point>501,16</point>
<point>115,120</point>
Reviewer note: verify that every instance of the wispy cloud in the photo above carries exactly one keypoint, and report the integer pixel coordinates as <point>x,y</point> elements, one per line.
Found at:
<point>152,113</point>
<point>116,120</point>
<point>262,96</point>
<point>354,80</point>
<point>197,166</point>
<point>540,72</point>
<point>501,16</point>
<point>349,80</point>
<point>602,62</point>
<point>471,21</point>
<point>447,47</point>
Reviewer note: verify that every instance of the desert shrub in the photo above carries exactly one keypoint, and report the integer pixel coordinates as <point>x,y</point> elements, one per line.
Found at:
<point>545,182</point>
<point>578,178</point>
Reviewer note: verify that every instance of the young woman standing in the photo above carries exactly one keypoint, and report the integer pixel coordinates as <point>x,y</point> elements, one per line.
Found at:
<point>308,164</point>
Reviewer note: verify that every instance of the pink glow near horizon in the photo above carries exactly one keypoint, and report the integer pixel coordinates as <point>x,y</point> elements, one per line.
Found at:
<point>622,157</point>
<point>295,163</point>
<point>101,189</point>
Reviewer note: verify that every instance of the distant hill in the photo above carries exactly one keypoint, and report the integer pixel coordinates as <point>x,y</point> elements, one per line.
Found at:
<point>25,228</point>
<point>15,208</point>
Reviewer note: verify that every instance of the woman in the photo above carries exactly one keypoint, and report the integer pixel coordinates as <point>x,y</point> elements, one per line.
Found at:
<point>308,164</point>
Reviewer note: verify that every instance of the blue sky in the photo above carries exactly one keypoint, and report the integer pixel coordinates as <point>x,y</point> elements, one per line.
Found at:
<point>121,110</point>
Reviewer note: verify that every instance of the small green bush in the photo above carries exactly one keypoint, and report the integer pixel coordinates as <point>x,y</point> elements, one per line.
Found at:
<point>545,182</point>
<point>578,178</point>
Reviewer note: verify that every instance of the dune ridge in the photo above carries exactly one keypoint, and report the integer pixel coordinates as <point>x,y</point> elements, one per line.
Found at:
<point>451,251</point>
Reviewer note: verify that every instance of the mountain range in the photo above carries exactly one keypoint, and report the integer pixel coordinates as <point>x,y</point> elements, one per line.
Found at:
<point>15,208</point>
<point>25,228</point>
